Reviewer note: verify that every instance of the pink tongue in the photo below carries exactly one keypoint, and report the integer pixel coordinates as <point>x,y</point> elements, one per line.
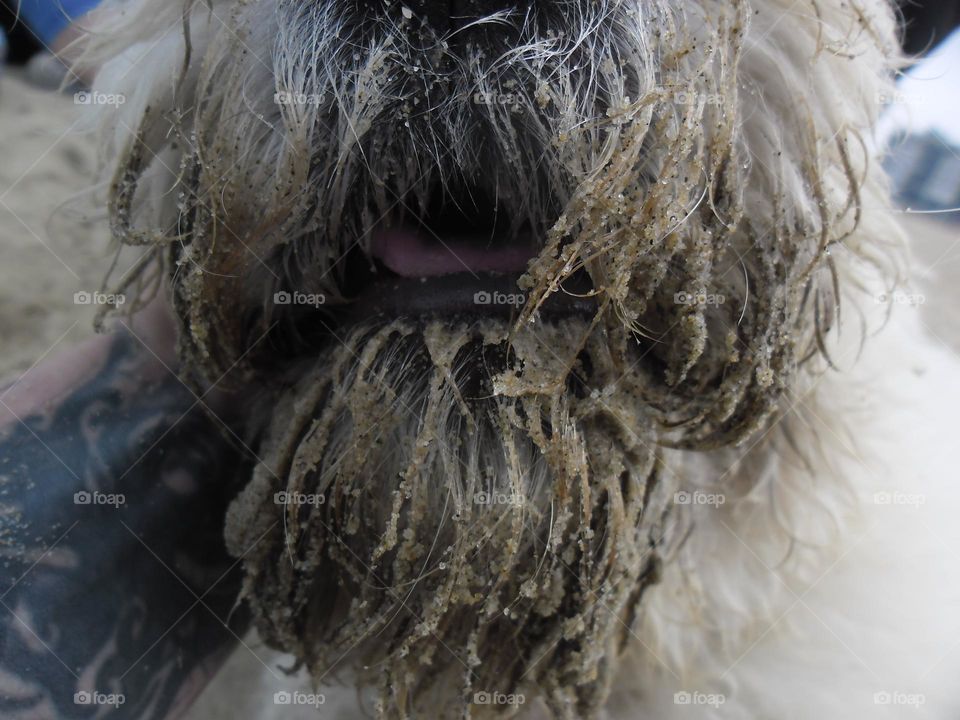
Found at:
<point>407,254</point>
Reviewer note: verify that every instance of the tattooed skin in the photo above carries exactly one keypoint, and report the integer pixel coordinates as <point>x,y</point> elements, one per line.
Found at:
<point>117,596</point>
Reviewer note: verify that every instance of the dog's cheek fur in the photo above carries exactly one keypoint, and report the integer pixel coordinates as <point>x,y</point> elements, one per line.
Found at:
<point>795,496</point>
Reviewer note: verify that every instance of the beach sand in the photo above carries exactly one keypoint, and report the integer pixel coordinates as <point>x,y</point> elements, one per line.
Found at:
<point>54,239</point>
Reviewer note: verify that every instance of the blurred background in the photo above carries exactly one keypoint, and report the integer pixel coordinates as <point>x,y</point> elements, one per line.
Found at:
<point>920,129</point>
<point>54,233</point>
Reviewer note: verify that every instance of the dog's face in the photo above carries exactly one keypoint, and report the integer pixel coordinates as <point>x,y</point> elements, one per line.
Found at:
<point>550,240</point>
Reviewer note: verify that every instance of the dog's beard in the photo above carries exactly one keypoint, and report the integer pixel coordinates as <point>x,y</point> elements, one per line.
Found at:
<point>457,510</point>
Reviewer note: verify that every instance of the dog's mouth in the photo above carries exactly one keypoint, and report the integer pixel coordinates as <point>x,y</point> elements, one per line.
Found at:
<point>464,253</point>
<point>412,253</point>
<point>460,229</point>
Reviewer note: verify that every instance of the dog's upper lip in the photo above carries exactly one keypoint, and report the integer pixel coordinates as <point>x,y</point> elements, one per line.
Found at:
<point>410,253</point>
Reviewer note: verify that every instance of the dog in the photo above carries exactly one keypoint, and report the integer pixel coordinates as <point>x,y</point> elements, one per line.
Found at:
<point>581,387</point>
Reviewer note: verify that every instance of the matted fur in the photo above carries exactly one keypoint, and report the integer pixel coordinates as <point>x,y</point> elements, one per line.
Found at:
<point>664,147</point>
<point>633,140</point>
<point>464,514</point>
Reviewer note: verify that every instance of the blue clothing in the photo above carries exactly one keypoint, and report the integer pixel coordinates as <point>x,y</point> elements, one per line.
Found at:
<point>48,18</point>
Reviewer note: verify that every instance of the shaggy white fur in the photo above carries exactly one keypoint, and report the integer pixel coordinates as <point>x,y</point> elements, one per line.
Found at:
<point>812,571</point>
<point>831,588</point>
<point>828,592</point>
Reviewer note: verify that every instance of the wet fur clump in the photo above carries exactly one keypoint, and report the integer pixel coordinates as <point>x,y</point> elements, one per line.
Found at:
<point>489,531</point>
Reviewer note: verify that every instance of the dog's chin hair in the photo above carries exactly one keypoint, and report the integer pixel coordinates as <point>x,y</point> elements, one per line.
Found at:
<point>455,516</point>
